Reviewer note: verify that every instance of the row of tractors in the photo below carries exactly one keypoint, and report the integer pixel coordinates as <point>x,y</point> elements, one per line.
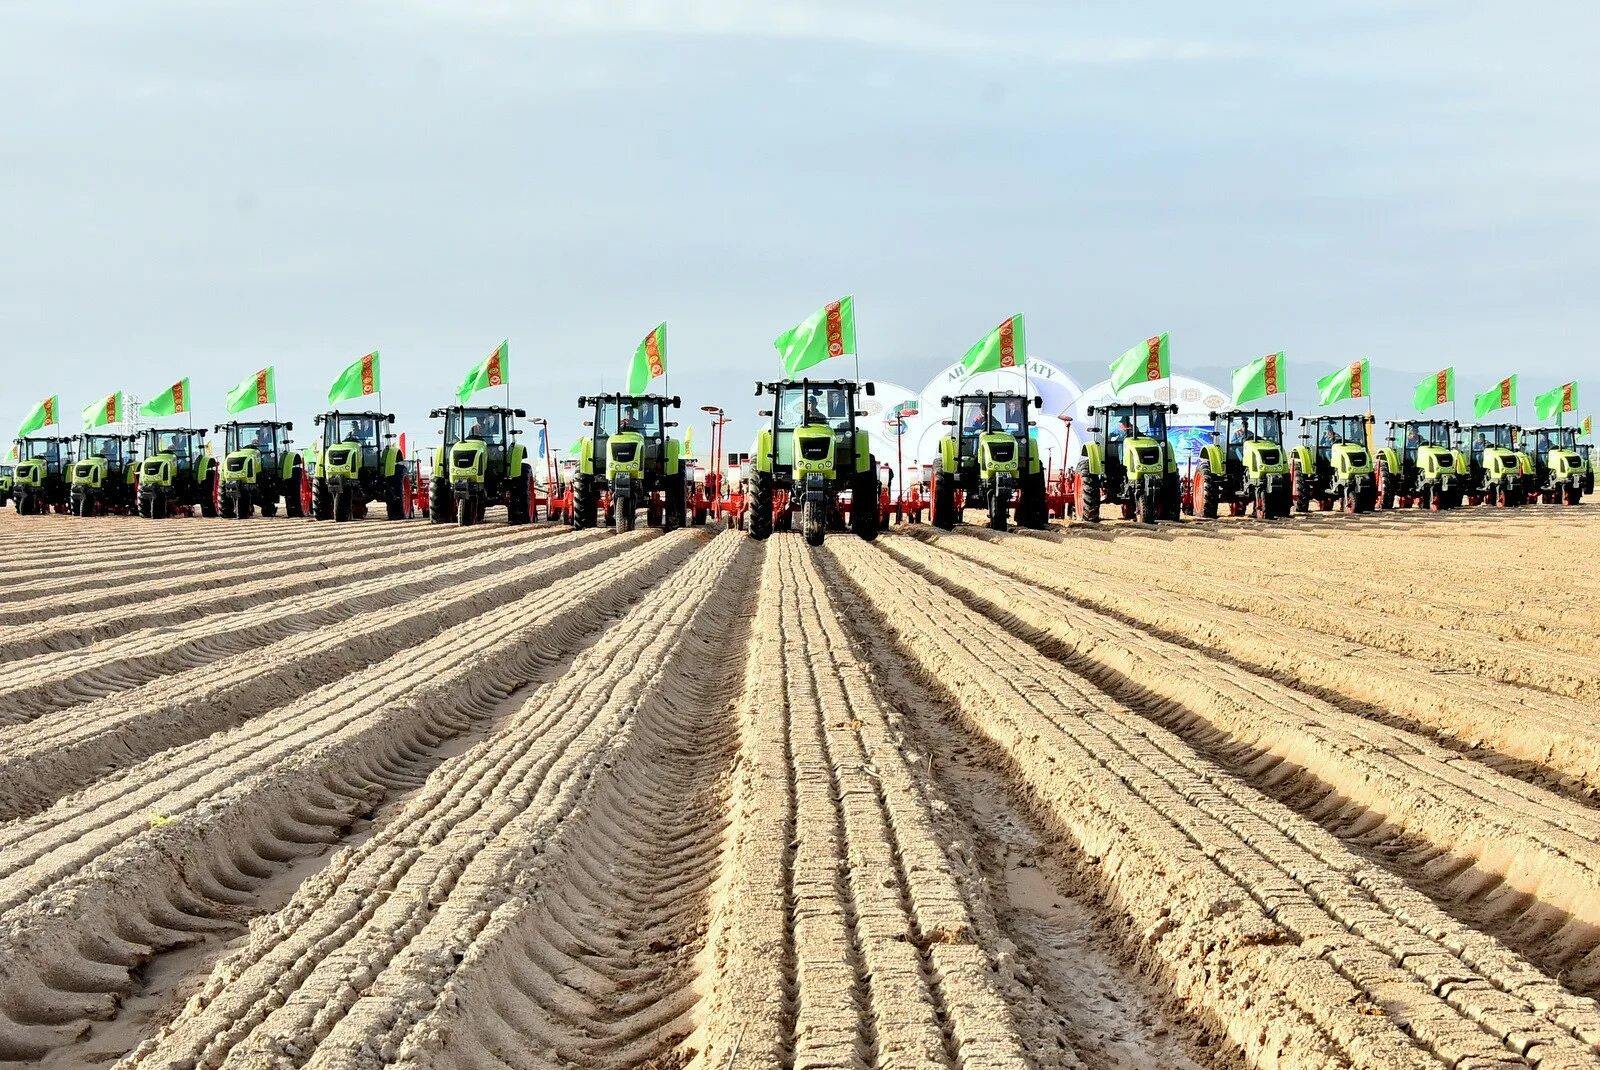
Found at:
<point>810,468</point>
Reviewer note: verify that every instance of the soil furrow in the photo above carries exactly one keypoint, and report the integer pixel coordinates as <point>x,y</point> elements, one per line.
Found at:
<point>49,757</point>
<point>102,881</point>
<point>1294,959</point>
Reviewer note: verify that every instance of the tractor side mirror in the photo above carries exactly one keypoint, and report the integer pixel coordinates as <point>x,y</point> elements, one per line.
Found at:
<point>390,418</point>
<point>859,412</point>
<point>1173,409</point>
<point>872,388</point>
<point>944,401</point>
<point>677,402</point>
<point>1211,415</point>
<point>289,426</point>
<point>1091,411</point>
<point>1038,402</point>
<point>519,413</point>
<point>758,390</point>
<point>948,423</point>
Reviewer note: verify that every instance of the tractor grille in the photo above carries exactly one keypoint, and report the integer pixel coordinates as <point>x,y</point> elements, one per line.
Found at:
<point>467,458</point>
<point>84,470</point>
<point>814,449</point>
<point>153,468</point>
<point>338,457</point>
<point>1269,457</point>
<point>1002,452</point>
<point>1357,456</point>
<point>624,452</point>
<point>1149,454</point>
<point>235,464</point>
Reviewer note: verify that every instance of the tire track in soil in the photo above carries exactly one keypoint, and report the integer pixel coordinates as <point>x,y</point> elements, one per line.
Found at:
<point>104,881</point>
<point>70,543</point>
<point>1289,946</point>
<point>45,759</point>
<point>1547,739</point>
<point>31,687</point>
<point>1061,971</point>
<point>1509,858</point>
<point>43,630</point>
<point>475,879</point>
<point>840,937</point>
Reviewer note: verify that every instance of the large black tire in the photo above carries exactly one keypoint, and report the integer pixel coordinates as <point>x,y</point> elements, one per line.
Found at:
<point>943,513</point>
<point>1170,507</point>
<point>865,520</point>
<point>814,521</point>
<point>999,508</point>
<point>394,495</point>
<point>269,508</point>
<point>758,506</point>
<point>585,503</point>
<point>293,491</point>
<point>208,496</point>
<point>158,505</point>
<point>519,502</point>
<point>342,505</point>
<point>1145,506</point>
<point>466,512</point>
<point>1206,492</point>
<point>675,502</point>
<point>321,500</point>
<point>1280,503</point>
<point>1387,491</point>
<point>144,507</point>
<point>1033,511</point>
<point>1088,494</point>
<point>1574,495</point>
<point>624,511</point>
<point>1299,487</point>
<point>441,503</point>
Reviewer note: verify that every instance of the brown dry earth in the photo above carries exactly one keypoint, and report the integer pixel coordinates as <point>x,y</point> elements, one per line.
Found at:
<point>1312,794</point>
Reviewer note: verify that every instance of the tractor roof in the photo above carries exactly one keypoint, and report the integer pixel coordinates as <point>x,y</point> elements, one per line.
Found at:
<point>1282,414</point>
<point>590,399</point>
<point>382,417</point>
<point>200,431</point>
<point>287,425</point>
<point>778,384</point>
<point>1423,423</point>
<point>500,409</point>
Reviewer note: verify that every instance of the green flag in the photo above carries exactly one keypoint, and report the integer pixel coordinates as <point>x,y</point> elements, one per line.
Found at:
<point>1501,395</point>
<point>44,414</point>
<point>1004,347</point>
<point>1553,404</point>
<point>649,361</point>
<point>356,381</point>
<point>260,389</point>
<point>1261,378</point>
<point>1354,380</point>
<point>493,370</point>
<point>170,402</point>
<point>1436,389</point>
<point>1146,362</point>
<point>108,410</point>
<point>828,332</point>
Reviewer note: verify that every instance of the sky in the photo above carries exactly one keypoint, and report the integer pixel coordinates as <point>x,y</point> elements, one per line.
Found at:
<point>200,189</point>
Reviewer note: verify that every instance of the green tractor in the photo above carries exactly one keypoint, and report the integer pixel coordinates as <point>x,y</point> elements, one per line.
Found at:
<point>176,474</point>
<point>1497,472</point>
<point>480,464</point>
<point>8,475</point>
<point>260,470</point>
<point>1129,462</point>
<point>813,459</point>
<point>1333,463</point>
<point>359,463</point>
<point>39,481</point>
<point>1585,454</point>
<point>629,460</point>
<point>990,459</point>
<point>1559,472</point>
<point>1245,465</point>
<point>104,477</point>
<point>1421,466</point>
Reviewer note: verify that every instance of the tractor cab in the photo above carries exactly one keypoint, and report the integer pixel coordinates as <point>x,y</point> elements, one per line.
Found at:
<point>629,430</point>
<point>809,455</point>
<point>1335,438</point>
<point>39,480</point>
<point>1132,439</point>
<point>354,440</point>
<point>630,459</point>
<point>1586,455</point>
<point>991,457</point>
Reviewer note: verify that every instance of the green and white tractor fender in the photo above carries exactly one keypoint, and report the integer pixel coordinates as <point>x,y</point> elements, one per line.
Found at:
<point>761,451</point>
<point>1212,454</point>
<point>1390,457</point>
<point>674,459</point>
<point>949,455</point>
<point>519,457</point>
<point>1035,464</point>
<point>291,460</point>
<point>391,461</point>
<point>1307,460</point>
<point>863,458</point>
<point>1096,458</point>
<point>586,457</point>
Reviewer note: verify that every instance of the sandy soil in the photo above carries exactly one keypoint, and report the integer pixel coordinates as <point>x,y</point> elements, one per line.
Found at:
<point>1310,794</point>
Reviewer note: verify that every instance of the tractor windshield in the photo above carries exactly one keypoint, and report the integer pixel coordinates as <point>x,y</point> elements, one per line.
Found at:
<point>1565,438</point>
<point>262,437</point>
<point>482,425</point>
<point>1136,421</point>
<point>1426,433</point>
<point>799,405</point>
<point>360,429</point>
<point>40,449</point>
<point>987,414</point>
<point>107,446</point>
<point>1245,427</point>
<point>1495,435</point>
<point>177,443</point>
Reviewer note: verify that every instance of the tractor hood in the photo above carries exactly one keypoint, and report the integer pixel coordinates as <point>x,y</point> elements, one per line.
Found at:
<point>998,453</point>
<point>469,460</point>
<point>1565,463</point>
<point>1351,459</point>
<point>158,470</point>
<point>1499,462</point>
<point>1433,461</point>
<point>89,472</point>
<point>30,473</point>
<point>1143,456</point>
<point>1264,457</point>
<point>241,466</point>
<point>341,459</point>
<point>814,450</point>
<point>625,454</point>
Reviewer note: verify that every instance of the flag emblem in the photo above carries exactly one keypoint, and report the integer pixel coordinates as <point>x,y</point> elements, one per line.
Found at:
<point>262,397</point>
<point>1152,361</point>
<point>835,329</point>
<point>366,374</point>
<point>1357,387</point>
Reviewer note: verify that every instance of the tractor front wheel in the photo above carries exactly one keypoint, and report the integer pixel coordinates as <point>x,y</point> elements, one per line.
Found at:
<point>520,503</point>
<point>999,508</point>
<point>1144,506</point>
<point>321,500</point>
<point>624,511</point>
<point>585,503</point>
<point>1574,495</point>
<point>210,491</point>
<point>342,506</point>
<point>1207,493</point>
<point>294,496</point>
<point>814,521</point>
<point>1299,488</point>
<point>758,507</point>
<point>944,501</point>
<point>395,493</point>
<point>676,506</point>
<point>1387,491</point>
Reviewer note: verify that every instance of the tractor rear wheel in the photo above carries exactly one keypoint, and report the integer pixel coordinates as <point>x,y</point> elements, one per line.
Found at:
<point>269,507</point>
<point>1574,495</point>
<point>758,508</point>
<point>210,491</point>
<point>1299,487</point>
<point>294,497</point>
<point>1387,491</point>
<point>519,504</point>
<point>585,503</point>
<point>1088,494</point>
<point>1170,504</point>
<point>1280,503</point>
<point>244,508</point>
<point>1206,491</point>
<point>814,521</point>
<point>864,518</point>
<point>441,506</point>
<point>158,505</point>
<point>944,501</point>
<point>342,506</point>
<point>1033,510</point>
<point>321,500</point>
<point>394,496</point>
<point>1144,507</point>
<point>675,505</point>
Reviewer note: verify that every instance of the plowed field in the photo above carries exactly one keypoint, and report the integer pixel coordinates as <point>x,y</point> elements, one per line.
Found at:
<point>1313,794</point>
